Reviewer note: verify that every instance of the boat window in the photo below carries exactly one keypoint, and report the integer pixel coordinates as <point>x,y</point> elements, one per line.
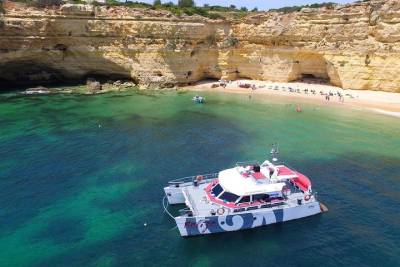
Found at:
<point>229,197</point>
<point>239,210</point>
<point>216,190</point>
<point>264,197</point>
<point>245,199</point>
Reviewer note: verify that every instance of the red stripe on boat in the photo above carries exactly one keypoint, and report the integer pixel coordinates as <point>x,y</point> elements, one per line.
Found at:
<point>258,175</point>
<point>285,171</point>
<point>302,181</point>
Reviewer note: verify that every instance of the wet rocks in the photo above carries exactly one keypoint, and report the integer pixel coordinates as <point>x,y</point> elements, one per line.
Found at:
<point>93,86</point>
<point>38,90</point>
<point>123,85</point>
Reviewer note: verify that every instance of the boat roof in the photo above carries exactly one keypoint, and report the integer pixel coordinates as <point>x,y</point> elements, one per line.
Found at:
<point>232,181</point>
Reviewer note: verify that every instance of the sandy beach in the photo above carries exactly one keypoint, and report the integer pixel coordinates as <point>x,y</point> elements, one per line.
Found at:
<point>377,101</point>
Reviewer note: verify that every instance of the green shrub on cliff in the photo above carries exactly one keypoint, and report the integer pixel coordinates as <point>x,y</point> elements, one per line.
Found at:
<point>186,3</point>
<point>112,2</point>
<point>129,4</point>
<point>290,9</point>
<point>78,1</point>
<point>187,7</point>
<point>175,10</point>
<point>43,3</point>
<point>230,42</point>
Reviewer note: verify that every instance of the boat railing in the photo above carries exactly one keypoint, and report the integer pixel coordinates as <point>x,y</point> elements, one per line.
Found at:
<point>255,162</point>
<point>189,179</point>
<point>247,163</point>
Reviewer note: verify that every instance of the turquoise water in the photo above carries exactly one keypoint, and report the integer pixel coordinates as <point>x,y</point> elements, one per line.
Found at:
<point>81,175</point>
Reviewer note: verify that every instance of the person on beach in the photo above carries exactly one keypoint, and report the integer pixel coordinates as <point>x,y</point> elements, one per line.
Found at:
<point>327,97</point>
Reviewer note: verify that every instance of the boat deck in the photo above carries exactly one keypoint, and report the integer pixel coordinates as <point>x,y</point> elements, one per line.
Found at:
<point>198,201</point>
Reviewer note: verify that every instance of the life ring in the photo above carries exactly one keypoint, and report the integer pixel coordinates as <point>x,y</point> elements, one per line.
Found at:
<point>307,197</point>
<point>199,178</point>
<point>220,211</point>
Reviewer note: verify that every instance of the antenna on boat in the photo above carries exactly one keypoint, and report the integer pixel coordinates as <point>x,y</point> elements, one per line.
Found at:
<point>274,152</point>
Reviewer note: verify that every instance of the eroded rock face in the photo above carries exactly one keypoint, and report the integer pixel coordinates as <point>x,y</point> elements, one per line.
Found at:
<point>77,10</point>
<point>354,46</point>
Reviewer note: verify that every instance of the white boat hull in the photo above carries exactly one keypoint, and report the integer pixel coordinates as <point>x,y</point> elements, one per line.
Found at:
<point>191,226</point>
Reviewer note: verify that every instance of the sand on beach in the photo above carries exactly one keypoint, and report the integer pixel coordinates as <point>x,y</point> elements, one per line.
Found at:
<point>377,101</point>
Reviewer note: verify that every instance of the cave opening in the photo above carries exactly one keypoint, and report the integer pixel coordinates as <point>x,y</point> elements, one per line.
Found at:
<point>28,73</point>
<point>313,79</point>
<point>312,68</point>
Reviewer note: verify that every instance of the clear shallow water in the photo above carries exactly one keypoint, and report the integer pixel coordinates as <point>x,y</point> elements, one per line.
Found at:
<point>80,175</point>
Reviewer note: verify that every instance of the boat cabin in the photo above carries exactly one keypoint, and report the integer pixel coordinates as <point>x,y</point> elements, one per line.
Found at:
<point>253,185</point>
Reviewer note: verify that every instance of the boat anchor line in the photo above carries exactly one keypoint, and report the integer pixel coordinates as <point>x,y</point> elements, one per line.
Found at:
<point>165,206</point>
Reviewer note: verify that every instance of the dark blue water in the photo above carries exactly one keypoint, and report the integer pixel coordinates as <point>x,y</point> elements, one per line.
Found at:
<point>81,175</point>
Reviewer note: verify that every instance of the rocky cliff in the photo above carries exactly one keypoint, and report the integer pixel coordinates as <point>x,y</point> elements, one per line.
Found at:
<point>354,46</point>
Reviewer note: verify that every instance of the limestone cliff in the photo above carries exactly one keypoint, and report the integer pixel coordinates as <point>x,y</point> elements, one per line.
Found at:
<point>354,46</point>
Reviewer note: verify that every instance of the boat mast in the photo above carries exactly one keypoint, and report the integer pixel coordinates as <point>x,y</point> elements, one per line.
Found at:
<point>274,152</point>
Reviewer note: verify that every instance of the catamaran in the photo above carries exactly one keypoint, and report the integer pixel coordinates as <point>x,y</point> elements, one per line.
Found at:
<point>246,196</point>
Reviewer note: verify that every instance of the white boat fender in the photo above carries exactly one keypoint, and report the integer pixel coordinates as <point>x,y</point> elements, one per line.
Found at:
<point>307,197</point>
<point>220,211</point>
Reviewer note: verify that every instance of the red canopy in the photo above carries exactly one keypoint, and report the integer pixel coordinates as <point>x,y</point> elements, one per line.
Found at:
<point>302,181</point>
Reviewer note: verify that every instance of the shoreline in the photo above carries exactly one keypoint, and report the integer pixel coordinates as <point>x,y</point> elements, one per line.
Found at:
<point>377,101</point>
<point>384,103</point>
